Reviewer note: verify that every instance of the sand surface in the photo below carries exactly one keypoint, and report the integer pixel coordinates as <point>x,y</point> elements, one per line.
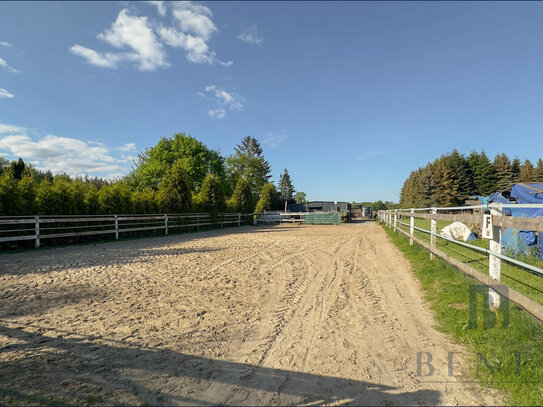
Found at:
<point>251,315</point>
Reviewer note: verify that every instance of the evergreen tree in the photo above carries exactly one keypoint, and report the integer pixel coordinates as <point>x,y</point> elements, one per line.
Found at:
<point>504,174</point>
<point>515,170</point>
<point>212,196</point>
<point>242,199</point>
<point>425,195</point>
<point>4,165</point>
<point>17,168</point>
<point>286,190</point>
<point>268,199</point>
<point>248,162</point>
<point>446,184</point>
<point>174,192</point>
<point>410,193</point>
<point>27,195</point>
<point>527,172</point>
<point>47,199</point>
<point>77,197</point>
<point>144,201</point>
<point>539,171</point>
<point>484,175</point>
<point>62,190</point>
<point>463,174</point>
<point>9,195</point>
<point>92,202</point>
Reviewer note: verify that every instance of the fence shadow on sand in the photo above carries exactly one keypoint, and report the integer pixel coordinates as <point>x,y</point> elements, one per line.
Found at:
<point>73,369</point>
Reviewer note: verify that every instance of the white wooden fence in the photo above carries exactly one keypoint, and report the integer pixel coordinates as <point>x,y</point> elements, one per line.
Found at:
<point>18,228</point>
<point>474,215</point>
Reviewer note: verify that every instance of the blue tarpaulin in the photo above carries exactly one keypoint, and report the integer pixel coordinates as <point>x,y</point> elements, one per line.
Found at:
<point>520,240</point>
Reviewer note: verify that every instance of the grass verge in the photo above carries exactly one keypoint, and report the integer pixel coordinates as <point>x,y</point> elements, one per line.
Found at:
<point>512,352</point>
<point>520,279</point>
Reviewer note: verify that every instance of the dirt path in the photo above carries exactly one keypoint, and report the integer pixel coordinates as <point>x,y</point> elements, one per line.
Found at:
<point>270,315</point>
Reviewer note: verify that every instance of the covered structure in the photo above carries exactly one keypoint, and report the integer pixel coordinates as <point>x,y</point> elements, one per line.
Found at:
<point>523,193</point>
<point>321,206</point>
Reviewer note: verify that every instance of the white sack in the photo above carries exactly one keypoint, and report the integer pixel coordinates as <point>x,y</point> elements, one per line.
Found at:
<point>457,231</point>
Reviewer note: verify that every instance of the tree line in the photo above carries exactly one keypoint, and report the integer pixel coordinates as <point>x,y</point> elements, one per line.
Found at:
<point>453,178</point>
<point>178,175</point>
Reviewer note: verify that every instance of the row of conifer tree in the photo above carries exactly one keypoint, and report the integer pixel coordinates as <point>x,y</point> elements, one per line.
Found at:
<point>453,178</point>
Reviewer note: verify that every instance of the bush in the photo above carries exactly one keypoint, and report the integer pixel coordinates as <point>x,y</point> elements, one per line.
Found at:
<point>174,193</point>
<point>242,199</point>
<point>211,198</point>
<point>268,198</point>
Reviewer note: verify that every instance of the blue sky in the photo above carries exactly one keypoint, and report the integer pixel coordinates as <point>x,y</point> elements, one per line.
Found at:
<point>350,97</point>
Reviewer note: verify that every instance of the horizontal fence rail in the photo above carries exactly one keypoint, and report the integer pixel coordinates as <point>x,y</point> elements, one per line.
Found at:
<point>21,228</point>
<point>473,214</point>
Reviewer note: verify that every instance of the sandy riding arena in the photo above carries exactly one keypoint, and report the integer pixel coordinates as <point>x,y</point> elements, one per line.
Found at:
<point>251,315</point>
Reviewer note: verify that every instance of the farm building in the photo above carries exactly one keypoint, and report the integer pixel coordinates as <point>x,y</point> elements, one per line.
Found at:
<point>321,206</point>
<point>356,210</point>
<point>359,211</point>
<point>342,208</point>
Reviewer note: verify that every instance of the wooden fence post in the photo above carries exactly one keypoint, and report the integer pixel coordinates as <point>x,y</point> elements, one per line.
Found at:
<point>116,227</point>
<point>395,219</point>
<point>239,219</point>
<point>37,230</point>
<point>166,224</point>
<point>411,226</point>
<point>433,230</point>
<point>197,221</point>
<point>494,262</point>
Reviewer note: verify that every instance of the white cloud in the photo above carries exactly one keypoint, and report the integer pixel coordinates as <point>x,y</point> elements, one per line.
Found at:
<point>223,99</point>
<point>4,94</point>
<point>160,7</point>
<point>136,37</point>
<point>7,67</point>
<point>5,44</point>
<point>130,33</point>
<point>196,47</point>
<point>10,128</point>
<point>107,60</point>
<point>194,18</point>
<point>217,113</point>
<point>135,33</point>
<point>61,154</point>
<point>274,139</point>
<point>250,35</point>
<point>128,147</point>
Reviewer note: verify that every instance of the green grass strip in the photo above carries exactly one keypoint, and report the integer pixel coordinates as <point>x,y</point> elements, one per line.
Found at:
<point>514,351</point>
<point>518,278</point>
